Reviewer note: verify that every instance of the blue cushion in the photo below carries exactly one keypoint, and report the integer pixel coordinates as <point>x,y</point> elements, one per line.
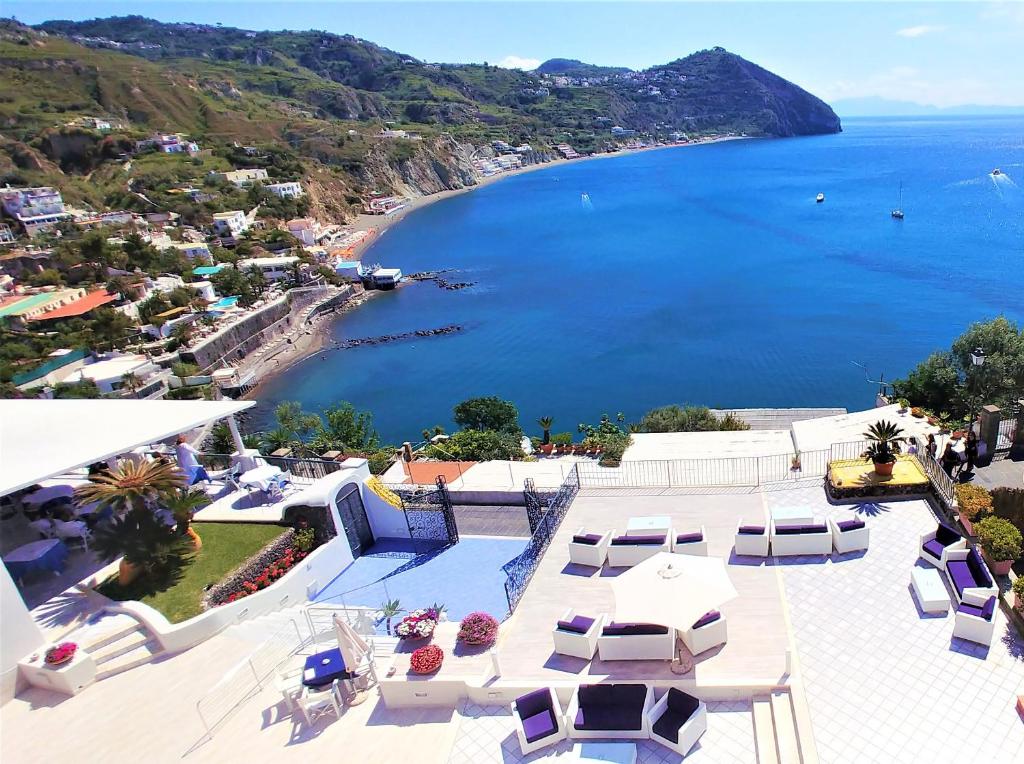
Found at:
<point>689,538</point>
<point>934,548</point>
<point>539,726</point>
<point>668,725</point>
<point>638,540</point>
<point>978,569</point>
<point>632,629</point>
<point>682,703</point>
<point>590,539</point>
<point>533,703</point>
<point>610,707</point>
<point>799,530</point>
<point>990,608</point>
<point>751,530</point>
<point>709,617</point>
<point>579,624</point>
<point>960,575</point>
<point>850,525</point>
<point>946,535</point>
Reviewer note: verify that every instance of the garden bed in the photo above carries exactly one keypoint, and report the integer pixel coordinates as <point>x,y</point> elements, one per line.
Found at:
<point>226,546</point>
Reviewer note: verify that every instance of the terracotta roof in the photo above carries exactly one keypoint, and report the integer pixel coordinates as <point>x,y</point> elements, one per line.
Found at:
<point>79,307</point>
<point>425,473</point>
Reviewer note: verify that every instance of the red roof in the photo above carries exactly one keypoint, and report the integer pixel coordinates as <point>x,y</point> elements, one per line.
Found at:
<point>91,301</point>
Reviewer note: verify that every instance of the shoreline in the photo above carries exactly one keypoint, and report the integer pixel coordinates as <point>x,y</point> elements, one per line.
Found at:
<point>313,338</point>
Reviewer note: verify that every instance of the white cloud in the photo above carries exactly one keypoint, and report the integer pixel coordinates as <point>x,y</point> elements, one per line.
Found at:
<point>919,31</point>
<point>518,62</point>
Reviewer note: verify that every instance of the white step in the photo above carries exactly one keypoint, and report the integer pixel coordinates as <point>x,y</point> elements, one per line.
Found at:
<point>144,653</point>
<point>764,731</point>
<point>115,649</point>
<point>103,629</point>
<point>785,728</point>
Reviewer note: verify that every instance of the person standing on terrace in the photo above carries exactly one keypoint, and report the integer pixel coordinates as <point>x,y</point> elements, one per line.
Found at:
<point>188,461</point>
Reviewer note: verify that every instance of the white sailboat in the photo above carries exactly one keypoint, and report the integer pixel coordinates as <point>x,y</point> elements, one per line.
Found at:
<point>898,212</point>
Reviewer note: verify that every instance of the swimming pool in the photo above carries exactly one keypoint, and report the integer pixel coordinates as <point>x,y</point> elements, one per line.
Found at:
<point>224,303</point>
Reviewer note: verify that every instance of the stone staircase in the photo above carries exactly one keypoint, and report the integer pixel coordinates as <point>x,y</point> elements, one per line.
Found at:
<point>116,641</point>
<point>775,730</point>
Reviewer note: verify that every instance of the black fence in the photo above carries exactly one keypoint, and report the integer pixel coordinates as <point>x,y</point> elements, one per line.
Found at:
<point>520,570</point>
<point>429,515</point>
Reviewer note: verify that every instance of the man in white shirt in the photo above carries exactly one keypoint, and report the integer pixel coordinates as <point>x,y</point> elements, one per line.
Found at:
<point>188,462</point>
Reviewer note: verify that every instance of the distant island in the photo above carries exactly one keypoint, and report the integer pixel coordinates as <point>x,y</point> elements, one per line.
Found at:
<point>873,106</point>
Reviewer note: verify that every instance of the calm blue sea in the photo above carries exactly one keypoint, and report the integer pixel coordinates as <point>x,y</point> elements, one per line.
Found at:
<point>702,275</point>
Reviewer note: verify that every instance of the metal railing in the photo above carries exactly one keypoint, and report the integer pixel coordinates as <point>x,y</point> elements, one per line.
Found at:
<point>309,469</point>
<point>520,570</point>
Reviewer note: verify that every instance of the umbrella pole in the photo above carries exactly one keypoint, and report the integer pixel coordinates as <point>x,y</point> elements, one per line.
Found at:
<point>680,665</point>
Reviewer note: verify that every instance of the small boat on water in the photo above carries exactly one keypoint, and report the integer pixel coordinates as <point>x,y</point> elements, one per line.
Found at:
<point>997,171</point>
<point>897,213</point>
<point>819,198</point>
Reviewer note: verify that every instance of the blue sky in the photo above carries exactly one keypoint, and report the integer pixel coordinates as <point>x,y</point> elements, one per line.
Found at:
<point>943,54</point>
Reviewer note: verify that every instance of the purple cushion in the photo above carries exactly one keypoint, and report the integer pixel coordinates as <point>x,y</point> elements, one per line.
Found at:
<point>934,548</point>
<point>595,695</point>
<point>709,617</point>
<point>591,539</point>
<point>946,535</point>
<point>610,707</point>
<point>668,724</point>
<point>579,624</point>
<point>533,703</point>
<point>990,608</point>
<point>638,540</point>
<point>796,530</point>
<point>689,538</point>
<point>632,629</point>
<point>751,530</point>
<point>978,569</point>
<point>959,575</point>
<point>539,726</point>
<point>850,525</point>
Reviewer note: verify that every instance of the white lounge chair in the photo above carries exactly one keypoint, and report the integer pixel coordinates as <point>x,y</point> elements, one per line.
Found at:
<point>574,636</point>
<point>813,538</point>
<point>636,642</point>
<point>751,540</point>
<point>315,703</point>
<point>539,720</point>
<point>936,546</point>
<point>708,632</point>
<point>678,720</point>
<point>72,530</point>
<point>627,551</point>
<point>589,548</point>
<point>695,543</point>
<point>848,535</point>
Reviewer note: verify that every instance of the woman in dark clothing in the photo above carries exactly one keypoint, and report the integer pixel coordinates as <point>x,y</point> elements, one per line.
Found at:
<point>949,459</point>
<point>971,452</point>
<point>933,447</point>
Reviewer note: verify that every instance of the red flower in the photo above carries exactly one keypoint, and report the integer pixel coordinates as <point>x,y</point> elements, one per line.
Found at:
<point>426,660</point>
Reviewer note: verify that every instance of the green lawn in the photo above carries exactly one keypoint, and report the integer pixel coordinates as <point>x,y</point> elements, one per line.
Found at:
<point>225,547</point>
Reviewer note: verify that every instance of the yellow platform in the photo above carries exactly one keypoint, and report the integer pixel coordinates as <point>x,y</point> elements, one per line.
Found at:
<point>849,473</point>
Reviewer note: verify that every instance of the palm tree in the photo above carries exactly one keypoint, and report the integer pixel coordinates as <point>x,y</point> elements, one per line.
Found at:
<point>885,440</point>
<point>131,381</point>
<point>389,609</point>
<point>131,486</point>
<point>183,505</point>
<point>545,423</point>
<point>145,544</point>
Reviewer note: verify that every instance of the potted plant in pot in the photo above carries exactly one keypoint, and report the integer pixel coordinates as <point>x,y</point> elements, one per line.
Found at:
<point>545,423</point>
<point>419,624</point>
<point>426,660</point>
<point>885,440</point>
<point>917,412</point>
<point>478,629</point>
<point>974,503</point>
<point>904,405</point>
<point>1000,543</point>
<point>1018,594</point>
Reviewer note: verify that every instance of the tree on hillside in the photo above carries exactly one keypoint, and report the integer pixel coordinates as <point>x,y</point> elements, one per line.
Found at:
<point>230,281</point>
<point>477,446</point>
<point>688,419</point>
<point>947,381</point>
<point>342,428</point>
<point>487,413</point>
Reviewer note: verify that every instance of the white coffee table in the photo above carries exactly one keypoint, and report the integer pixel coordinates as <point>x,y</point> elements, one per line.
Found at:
<point>641,526</point>
<point>930,590</point>
<point>618,753</point>
<point>784,516</point>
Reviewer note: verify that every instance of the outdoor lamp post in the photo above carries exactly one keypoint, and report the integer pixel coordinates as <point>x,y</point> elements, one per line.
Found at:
<point>977,360</point>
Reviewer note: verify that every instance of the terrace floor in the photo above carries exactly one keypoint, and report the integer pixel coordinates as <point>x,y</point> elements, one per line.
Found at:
<point>758,639</point>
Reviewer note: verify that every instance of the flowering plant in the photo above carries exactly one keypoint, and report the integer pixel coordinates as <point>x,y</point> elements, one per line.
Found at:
<point>62,653</point>
<point>418,624</point>
<point>426,660</point>
<point>270,574</point>
<point>478,629</point>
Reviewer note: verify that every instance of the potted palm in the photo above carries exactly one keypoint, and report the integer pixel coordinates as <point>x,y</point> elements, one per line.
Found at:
<point>885,438</point>
<point>1000,543</point>
<point>183,504</point>
<point>545,423</point>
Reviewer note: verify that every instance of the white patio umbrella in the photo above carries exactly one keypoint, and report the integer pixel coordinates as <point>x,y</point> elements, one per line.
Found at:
<point>671,590</point>
<point>353,647</point>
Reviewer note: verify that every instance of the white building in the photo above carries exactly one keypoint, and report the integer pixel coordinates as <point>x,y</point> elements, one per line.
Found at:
<point>169,143</point>
<point>192,250</point>
<point>36,209</point>
<point>273,268</point>
<point>108,373</point>
<point>306,230</point>
<point>242,178</point>
<point>622,132</point>
<point>232,223</point>
<point>286,190</point>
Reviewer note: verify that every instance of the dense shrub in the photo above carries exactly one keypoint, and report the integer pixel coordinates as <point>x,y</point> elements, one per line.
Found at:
<point>1008,503</point>
<point>688,419</point>
<point>975,502</point>
<point>478,629</point>
<point>999,539</point>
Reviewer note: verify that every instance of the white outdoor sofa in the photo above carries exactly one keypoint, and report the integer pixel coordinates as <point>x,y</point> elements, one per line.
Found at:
<point>636,642</point>
<point>576,635</point>
<point>976,624</point>
<point>970,577</point>
<point>627,551</point>
<point>695,543</point>
<point>589,548</point>
<point>708,632</point>
<point>751,540</point>
<point>936,546</point>
<point>539,720</point>
<point>610,711</point>
<point>678,720</point>
<point>814,538</point>
<point>848,535</point>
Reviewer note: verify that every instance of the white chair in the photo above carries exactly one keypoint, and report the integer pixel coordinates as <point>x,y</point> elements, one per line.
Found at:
<point>317,702</point>
<point>73,530</point>
<point>678,720</point>
<point>539,720</point>
<point>620,642</point>
<point>815,538</point>
<point>281,487</point>
<point>936,546</point>
<point>689,543</point>
<point>568,638</point>
<point>710,631</point>
<point>751,540</point>
<point>976,624</point>
<point>589,548</point>
<point>627,552</point>
<point>43,526</point>
<point>848,535</point>
<point>289,684</point>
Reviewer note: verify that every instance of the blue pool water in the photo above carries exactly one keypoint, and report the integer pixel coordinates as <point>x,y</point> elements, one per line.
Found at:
<point>418,581</point>
<point>223,303</point>
<point>703,274</point>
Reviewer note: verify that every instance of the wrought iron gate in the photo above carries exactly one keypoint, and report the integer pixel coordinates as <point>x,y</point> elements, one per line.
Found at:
<point>429,515</point>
